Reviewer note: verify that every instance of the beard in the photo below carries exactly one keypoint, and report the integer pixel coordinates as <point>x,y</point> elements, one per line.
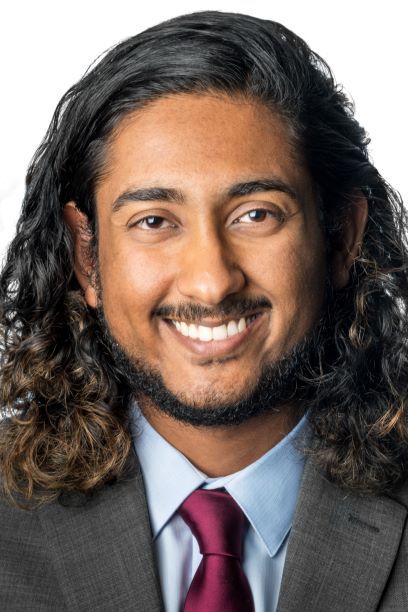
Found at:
<point>286,381</point>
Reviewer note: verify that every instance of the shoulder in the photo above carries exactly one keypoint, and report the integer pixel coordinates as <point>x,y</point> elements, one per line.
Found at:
<point>79,551</point>
<point>400,495</point>
<point>19,527</point>
<point>25,564</point>
<point>396,596</point>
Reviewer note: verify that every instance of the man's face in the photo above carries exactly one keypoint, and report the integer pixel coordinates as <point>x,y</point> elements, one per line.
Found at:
<point>208,226</point>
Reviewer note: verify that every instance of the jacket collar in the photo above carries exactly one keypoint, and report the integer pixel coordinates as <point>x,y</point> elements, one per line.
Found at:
<point>341,548</point>
<point>102,548</point>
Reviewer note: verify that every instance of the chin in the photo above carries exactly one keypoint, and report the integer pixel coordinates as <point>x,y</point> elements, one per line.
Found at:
<point>207,396</point>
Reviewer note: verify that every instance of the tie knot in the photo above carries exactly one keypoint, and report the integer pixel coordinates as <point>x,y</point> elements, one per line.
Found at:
<point>216,520</point>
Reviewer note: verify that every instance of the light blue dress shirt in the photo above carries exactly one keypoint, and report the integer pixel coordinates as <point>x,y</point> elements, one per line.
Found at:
<point>266,491</point>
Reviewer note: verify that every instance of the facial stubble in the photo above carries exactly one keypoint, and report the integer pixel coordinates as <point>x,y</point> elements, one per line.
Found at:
<point>287,382</point>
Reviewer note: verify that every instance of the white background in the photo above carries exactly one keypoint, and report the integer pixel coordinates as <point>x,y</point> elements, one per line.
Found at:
<point>45,46</point>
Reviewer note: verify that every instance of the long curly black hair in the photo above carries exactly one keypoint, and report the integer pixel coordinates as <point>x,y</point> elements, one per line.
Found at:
<point>66,416</point>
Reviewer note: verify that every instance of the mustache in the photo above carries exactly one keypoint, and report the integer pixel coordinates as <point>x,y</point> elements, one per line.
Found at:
<point>230,307</point>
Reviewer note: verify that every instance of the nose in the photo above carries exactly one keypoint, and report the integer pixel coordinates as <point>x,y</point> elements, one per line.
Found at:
<point>208,272</point>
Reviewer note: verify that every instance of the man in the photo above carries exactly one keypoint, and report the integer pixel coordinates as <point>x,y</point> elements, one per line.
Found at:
<point>204,374</point>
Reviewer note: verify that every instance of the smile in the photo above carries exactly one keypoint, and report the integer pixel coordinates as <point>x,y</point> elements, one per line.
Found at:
<point>208,333</point>
<point>218,339</point>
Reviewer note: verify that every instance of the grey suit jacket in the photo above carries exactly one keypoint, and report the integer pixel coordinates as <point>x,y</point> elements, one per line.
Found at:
<point>345,554</point>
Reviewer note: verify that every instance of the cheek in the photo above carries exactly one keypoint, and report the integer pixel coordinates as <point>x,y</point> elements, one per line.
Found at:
<point>293,273</point>
<point>134,283</point>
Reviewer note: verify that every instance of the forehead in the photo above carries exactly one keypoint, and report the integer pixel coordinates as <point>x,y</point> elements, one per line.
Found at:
<point>206,141</point>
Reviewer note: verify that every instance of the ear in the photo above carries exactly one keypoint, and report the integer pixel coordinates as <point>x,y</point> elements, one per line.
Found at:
<point>77,222</point>
<point>350,242</point>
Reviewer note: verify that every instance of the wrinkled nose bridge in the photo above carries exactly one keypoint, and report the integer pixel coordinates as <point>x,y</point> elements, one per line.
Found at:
<point>208,270</point>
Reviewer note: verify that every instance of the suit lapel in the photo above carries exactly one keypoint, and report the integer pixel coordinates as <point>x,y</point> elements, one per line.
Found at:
<point>102,549</point>
<point>341,548</point>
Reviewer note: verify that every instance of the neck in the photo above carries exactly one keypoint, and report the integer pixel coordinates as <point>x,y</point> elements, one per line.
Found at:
<point>220,451</point>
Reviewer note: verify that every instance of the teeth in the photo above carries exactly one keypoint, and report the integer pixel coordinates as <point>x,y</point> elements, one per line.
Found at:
<point>220,332</point>
<point>241,324</point>
<point>206,334</point>
<point>192,331</point>
<point>232,328</point>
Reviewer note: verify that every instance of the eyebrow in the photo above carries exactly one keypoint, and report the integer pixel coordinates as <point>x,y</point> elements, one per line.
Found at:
<point>146,194</point>
<point>163,194</point>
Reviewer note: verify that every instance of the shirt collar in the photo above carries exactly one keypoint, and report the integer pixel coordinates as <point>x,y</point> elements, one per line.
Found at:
<point>168,476</point>
<point>266,490</point>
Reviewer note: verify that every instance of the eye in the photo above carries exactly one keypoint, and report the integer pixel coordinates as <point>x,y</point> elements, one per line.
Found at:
<point>259,215</point>
<point>152,222</point>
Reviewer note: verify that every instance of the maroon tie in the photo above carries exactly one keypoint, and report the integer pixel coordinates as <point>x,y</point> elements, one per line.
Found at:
<point>219,584</point>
